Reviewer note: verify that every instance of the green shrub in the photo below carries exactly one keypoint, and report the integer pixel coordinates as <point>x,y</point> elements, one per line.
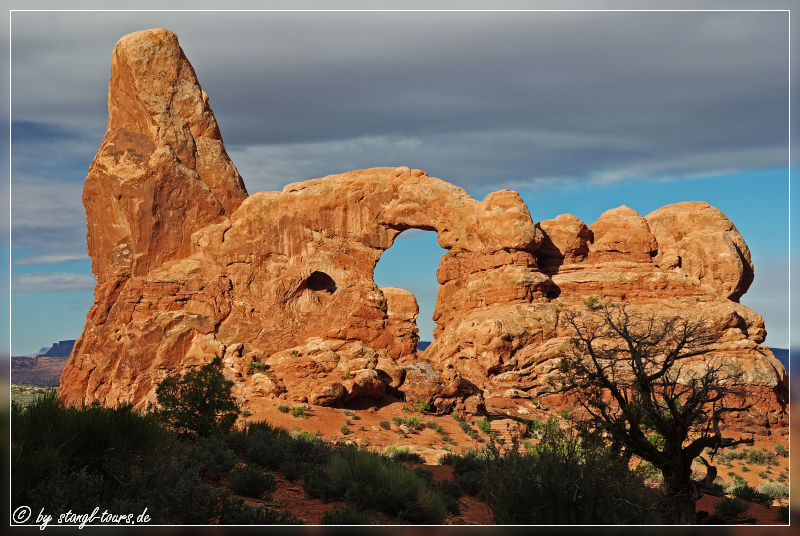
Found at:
<point>456,416</point>
<point>403,455</point>
<point>421,406</point>
<point>656,440</point>
<point>649,472</point>
<point>344,429</point>
<point>299,411</point>
<point>593,303</point>
<point>344,515</point>
<point>566,481</point>
<point>757,457</point>
<point>200,402</point>
<point>731,507</point>
<point>251,481</point>
<point>778,492</point>
<point>254,366</point>
<point>465,426</point>
<point>385,425</point>
<point>781,450</point>
<point>51,442</point>
<point>397,420</point>
<point>433,425</point>
<point>367,480</point>
<point>283,409</point>
<point>236,512</point>
<point>483,425</point>
<point>451,488</point>
<point>213,457</point>
<point>749,493</point>
<point>293,469</point>
<point>415,423</point>
<point>267,450</point>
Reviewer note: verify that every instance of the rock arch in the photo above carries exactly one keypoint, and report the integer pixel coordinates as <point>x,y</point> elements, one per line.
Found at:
<point>189,267</point>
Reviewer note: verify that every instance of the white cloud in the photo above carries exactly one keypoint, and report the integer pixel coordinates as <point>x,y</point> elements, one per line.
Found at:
<point>52,282</point>
<point>47,220</point>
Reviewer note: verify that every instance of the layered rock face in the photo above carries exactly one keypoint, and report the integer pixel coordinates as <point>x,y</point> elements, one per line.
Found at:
<point>280,284</point>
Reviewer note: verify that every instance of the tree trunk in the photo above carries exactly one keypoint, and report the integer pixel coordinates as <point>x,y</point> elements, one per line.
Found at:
<point>681,503</point>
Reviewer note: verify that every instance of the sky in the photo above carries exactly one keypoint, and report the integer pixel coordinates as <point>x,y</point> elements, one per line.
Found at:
<point>580,112</point>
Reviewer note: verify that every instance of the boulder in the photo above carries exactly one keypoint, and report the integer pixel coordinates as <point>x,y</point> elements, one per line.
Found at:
<point>697,240</point>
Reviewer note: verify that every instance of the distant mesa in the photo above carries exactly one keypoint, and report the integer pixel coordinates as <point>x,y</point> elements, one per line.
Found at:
<point>59,349</point>
<point>189,267</point>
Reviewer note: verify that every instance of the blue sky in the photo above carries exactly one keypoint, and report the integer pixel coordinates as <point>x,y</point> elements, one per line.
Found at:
<point>579,112</point>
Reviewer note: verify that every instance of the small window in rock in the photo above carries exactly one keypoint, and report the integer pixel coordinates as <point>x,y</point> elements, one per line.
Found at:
<point>320,281</point>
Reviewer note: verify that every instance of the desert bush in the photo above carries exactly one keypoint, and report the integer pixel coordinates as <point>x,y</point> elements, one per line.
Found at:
<point>299,411</point>
<point>403,455</point>
<point>778,492</point>
<point>465,426</point>
<point>757,457</point>
<point>451,488</point>
<point>344,515</point>
<point>749,493</point>
<point>397,420</point>
<point>284,409</point>
<point>433,425</point>
<point>385,425</point>
<point>567,480</point>
<point>344,430</point>
<point>294,469</point>
<point>267,450</point>
<point>415,423</point>
<point>367,480</point>
<point>731,507</point>
<point>236,512</point>
<point>251,481</point>
<point>254,366</point>
<point>50,441</point>
<point>649,472</point>
<point>421,406</point>
<point>213,456</point>
<point>483,425</point>
<point>781,450</point>
<point>198,403</point>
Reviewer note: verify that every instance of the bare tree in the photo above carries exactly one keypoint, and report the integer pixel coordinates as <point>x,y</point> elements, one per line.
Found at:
<point>634,375</point>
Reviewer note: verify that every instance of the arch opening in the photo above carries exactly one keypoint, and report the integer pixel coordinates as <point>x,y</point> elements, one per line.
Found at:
<point>320,282</point>
<point>411,264</point>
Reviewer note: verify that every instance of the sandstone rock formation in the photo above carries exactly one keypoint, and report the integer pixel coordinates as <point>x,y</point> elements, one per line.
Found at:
<point>280,284</point>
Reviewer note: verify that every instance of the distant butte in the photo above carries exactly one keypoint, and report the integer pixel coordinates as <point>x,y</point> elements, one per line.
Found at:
<point>190,267</point>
